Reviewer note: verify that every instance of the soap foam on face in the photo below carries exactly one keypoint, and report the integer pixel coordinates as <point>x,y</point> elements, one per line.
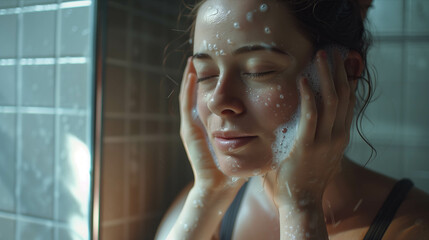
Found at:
<point>287,132</point>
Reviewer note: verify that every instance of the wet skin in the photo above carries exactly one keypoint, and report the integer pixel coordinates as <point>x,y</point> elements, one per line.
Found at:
<point>247,80</point>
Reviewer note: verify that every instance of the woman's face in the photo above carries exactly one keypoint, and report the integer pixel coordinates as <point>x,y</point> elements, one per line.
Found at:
<point>248,56</point>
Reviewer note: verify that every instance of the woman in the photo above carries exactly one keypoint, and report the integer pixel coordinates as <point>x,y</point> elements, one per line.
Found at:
<point>270,92</point>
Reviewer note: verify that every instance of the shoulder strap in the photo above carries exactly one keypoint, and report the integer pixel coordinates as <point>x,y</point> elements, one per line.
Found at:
<point>387,211</point>
<point>228,221</point>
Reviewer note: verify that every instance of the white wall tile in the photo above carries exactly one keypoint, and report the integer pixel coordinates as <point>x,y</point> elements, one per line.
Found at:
<point>418,61</point>
<point>38,85</point>
<point>37,170</point>
<point>387,58</point>
<point>8,85</point>
<point>74,170</point>
<point>37,2</point>
<point>388,160</point>
<point>7,161</point>
<point>7,229</point>
<point>416,114</point>
<point>417,16</point>
<point>33,231</point>
<point>39,34</point>
<point>386,17</point>
<point>8,36</point>
<point>74,85</point>
<point>75,32</point>
<point>64,234</point>
<point>9,3</point>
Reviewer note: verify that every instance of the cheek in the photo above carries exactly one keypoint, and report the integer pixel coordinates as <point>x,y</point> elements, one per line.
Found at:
<point>275,105</point>
<point>201,105</point>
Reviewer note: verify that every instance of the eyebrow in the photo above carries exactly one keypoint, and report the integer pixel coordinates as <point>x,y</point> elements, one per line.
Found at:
<point>245,49</point>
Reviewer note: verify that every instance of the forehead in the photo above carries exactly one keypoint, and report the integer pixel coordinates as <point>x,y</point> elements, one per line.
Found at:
<point>244,21</point>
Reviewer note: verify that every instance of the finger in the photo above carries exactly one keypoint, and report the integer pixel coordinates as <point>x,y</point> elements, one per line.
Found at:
<point>329,103</point>
<point>352,104</point>
<point>343,92</point>
<point>308,120</point>
<point>184,78</point>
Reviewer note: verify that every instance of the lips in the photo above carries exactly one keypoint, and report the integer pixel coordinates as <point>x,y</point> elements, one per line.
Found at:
<point>231,141</point>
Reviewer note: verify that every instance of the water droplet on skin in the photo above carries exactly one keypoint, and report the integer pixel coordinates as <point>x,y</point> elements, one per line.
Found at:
<point>269,99</point>
<point>210,47</point>
<point>284,130</point>
<point>219,213</point>
<point>229,41</point>
<point>214,46</point>
<point>217,53</point>
<point>281,96</point>
<point>266,104</point>
<point>263,7</point>
<point>222,52</point>
<point>218,36</point>
<point>249,16</point>
<point>257,172</point>
<point>236,25</point>
<point>198,204</point>
<point>267,30</point>
<point>278,105</point>
<point>186,227</point>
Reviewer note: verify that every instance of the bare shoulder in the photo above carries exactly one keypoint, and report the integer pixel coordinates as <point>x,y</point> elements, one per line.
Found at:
<point>412,219</point>
<point>172,214</point>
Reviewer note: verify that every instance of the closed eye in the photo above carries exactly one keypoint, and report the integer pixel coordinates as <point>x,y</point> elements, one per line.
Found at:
<point>206,78</point>
<point>259,74</point>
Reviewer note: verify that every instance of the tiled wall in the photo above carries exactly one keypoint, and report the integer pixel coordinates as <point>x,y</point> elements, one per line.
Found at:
<point>45,119</point>
<point>399,115</point>
<point>143,164</point>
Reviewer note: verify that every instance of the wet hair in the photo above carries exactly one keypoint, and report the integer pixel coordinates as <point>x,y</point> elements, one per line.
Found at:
<point>326,23</point>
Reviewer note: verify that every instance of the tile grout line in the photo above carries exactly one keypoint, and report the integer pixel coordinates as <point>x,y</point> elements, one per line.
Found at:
<point>18,146</point>
<point>403,75</point>
<point>56,123</point>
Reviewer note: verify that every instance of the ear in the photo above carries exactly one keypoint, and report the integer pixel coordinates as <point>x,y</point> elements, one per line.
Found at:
<point>354,65</point>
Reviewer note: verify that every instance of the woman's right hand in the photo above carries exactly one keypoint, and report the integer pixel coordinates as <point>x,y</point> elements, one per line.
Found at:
<point>206,173</point>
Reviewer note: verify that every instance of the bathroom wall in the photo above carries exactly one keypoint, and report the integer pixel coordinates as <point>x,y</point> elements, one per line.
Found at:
<point>398,119</point>
<point>143,162</point>
<point>45,119</point>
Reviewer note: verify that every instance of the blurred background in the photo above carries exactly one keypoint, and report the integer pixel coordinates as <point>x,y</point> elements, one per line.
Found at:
<point>89,139</point>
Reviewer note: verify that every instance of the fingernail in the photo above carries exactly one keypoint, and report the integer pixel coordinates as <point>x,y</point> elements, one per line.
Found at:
<point>323,54</point>
<point>305,81</point>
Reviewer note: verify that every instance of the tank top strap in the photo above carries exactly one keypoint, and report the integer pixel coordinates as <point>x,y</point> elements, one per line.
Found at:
<point>388,210</point>
<point>228,221</point>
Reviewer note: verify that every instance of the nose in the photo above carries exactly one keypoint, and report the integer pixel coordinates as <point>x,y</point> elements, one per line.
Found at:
<point>226,100</point>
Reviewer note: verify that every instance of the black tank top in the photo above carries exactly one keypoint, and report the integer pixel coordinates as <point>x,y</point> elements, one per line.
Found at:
<point>378,226</point>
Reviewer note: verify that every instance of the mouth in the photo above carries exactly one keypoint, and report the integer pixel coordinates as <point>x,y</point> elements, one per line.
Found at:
<point>230,142</point>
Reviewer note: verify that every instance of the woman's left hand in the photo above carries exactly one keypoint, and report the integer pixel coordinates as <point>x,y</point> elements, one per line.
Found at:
<point>323,135</point>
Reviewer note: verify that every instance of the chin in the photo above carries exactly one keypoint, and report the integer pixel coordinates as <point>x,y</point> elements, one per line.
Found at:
<point>244,167</point>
